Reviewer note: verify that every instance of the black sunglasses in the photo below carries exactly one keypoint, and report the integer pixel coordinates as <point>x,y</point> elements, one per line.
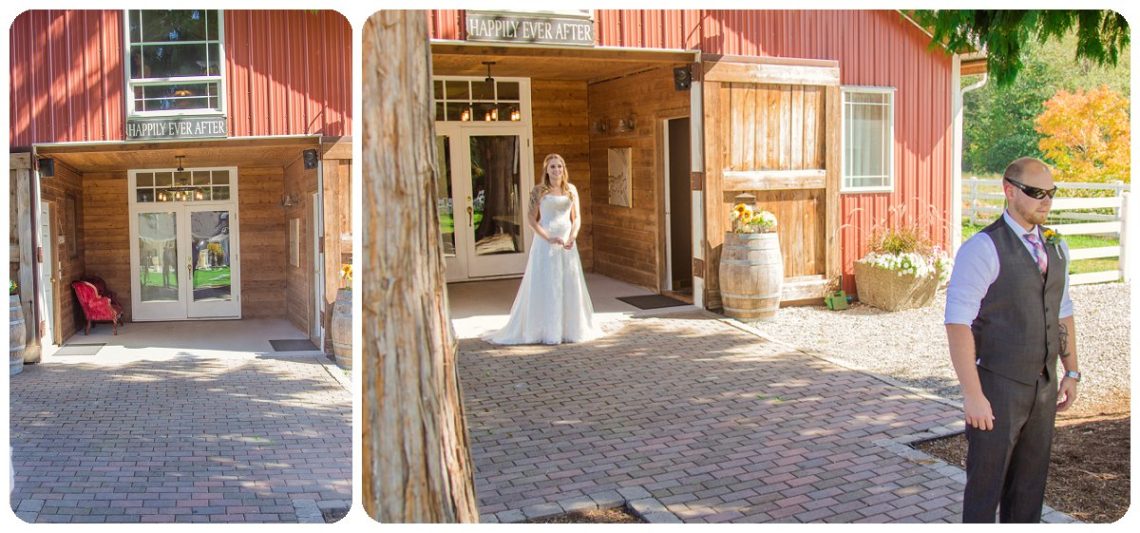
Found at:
<point>1033,192</point>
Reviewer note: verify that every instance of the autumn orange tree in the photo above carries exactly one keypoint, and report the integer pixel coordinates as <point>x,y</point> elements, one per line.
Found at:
<point>1086,135</point>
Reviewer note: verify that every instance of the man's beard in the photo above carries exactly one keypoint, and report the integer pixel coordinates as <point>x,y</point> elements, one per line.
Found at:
<point>1034,217</point>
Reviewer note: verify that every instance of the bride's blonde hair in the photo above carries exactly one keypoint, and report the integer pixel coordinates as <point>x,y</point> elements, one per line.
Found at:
<point>546,186</point>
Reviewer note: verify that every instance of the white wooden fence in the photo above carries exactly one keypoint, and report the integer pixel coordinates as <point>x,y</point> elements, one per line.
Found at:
<point>984,202</point>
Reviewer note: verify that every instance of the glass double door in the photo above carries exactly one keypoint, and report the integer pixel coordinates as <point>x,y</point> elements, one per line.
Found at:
<point>484,184</point>
<point>185,263</point>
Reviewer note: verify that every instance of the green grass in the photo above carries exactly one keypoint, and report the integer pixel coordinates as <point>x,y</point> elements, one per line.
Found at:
<point>218,277</point>
<point>447,222</point>
<point>1075,242</point>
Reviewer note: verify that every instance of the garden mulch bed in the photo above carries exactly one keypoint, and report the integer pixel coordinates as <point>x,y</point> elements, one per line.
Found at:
<point>333,515</point>
<point>617,515</point>
<point>1089,474</point>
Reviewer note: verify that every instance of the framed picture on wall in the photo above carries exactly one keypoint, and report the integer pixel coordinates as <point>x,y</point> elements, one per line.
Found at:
<point>69,230</point>
<point>620,165</point>
<point>295,242</point>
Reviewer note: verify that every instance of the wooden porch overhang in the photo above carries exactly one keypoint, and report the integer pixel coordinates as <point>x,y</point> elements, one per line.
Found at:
<point>457,58</point>
<point>120,156</point>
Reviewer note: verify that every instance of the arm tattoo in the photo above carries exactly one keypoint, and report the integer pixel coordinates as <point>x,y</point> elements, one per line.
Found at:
<point>1064,341</point>
<point>535,195</point>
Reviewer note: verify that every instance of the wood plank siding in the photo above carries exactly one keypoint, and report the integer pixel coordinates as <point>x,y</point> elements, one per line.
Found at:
<point>106,235</point>
<point>766,125</point>
<point>337,167</point>
<point>287,73</point>
<point>62,191</point>
<point>107,232</point>
<point>561,126</point>
<point>300,184</point>
<point>627,240</point>
<point>264,253</point>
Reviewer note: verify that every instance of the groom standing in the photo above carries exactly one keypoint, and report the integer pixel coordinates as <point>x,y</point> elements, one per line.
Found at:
<point>1008,319</point>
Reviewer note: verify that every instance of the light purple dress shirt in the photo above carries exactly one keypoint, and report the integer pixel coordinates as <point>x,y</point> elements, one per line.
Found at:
<point>976,267</point>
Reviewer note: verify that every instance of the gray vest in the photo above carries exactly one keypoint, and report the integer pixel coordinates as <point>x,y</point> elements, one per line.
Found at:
<point>1016,332</point>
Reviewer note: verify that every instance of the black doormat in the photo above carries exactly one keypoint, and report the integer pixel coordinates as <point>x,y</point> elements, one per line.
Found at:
<point>80,349</point>
<point>651,301</point>
<point>292,345</point>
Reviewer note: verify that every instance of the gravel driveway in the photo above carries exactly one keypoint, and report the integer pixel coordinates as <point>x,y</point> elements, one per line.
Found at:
<point>910,346</point>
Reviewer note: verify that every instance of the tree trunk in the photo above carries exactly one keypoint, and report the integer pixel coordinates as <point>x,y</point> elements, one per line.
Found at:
<point>417,465</point>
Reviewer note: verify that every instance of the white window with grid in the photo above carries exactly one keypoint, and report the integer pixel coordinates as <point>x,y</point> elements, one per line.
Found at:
<point>868,139</point>
<point>460,99</point>
<point>174,62</point>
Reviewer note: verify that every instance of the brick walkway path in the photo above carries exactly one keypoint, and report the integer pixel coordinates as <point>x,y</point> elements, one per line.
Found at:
<point>700,422</point>
<point>189,440</point>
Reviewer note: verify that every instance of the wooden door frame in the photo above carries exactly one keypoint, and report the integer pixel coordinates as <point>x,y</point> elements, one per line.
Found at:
<point>719,69</point>
<point>461,133</point>
<point>660,121</point>
<point>55,304</point>
<point>178,209</point>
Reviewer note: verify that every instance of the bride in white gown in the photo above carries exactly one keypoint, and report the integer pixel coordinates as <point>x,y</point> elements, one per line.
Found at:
<point>552,305</point>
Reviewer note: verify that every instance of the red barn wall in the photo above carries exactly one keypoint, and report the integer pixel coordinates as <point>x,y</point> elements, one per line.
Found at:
<point>287,73</point>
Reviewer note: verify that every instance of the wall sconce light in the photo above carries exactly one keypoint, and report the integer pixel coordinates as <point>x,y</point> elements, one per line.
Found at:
<point>310,157</point>
<point>682,78</point>
<point>628,123</point>
<point>601,125</point>
<point>288,200</point>
<point>47,167</point>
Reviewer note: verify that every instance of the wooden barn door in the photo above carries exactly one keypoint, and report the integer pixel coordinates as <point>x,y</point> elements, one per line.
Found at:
<point>772,130</point>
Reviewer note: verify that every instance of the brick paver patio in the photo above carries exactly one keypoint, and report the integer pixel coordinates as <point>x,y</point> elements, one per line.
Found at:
<point>245,439</point>
<point>694,419</point>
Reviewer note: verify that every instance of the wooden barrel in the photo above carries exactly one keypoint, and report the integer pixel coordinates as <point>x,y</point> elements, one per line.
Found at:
<point>17,335</point>
<point>342,329</point>
<point>751,275</point>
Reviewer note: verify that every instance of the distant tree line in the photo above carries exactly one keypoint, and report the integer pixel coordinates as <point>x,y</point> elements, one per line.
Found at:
<point>1059,86</point>
<point>1002,121</point>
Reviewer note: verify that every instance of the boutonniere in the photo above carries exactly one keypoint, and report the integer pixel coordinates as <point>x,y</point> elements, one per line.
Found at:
<point>1051,236</point>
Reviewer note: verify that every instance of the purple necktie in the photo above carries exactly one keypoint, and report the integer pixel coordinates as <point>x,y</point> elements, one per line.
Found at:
<point>1038,252</point>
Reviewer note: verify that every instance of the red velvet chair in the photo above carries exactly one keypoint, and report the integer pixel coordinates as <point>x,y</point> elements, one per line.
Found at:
<point>97,308</point>
<point>101,287</point>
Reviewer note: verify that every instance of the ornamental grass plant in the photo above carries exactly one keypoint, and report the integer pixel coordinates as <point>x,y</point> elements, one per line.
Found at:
<point>907,250</point>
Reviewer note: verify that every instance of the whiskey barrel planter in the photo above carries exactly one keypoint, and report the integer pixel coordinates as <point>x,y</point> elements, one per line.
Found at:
<point>751,275</point>
<point>342,329</point>
<point>17,335</point>
<point>890,291</point>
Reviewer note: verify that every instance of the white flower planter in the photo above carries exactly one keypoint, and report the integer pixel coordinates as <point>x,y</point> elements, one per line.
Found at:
<point>891,291</point>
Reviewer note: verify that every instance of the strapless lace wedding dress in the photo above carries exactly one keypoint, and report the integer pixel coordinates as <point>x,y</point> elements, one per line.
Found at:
<point>552,305</point>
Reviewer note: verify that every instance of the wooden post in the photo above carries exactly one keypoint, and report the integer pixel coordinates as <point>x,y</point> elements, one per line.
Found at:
<point>20,171</point>
<point>1124,216</point>
<point>1118,191</point>
<point>417,464</point>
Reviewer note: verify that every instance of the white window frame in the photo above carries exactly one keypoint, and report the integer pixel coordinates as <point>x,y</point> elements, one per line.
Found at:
<point>524,99</point>
<point>843,180</point>
<point>129,93</point>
